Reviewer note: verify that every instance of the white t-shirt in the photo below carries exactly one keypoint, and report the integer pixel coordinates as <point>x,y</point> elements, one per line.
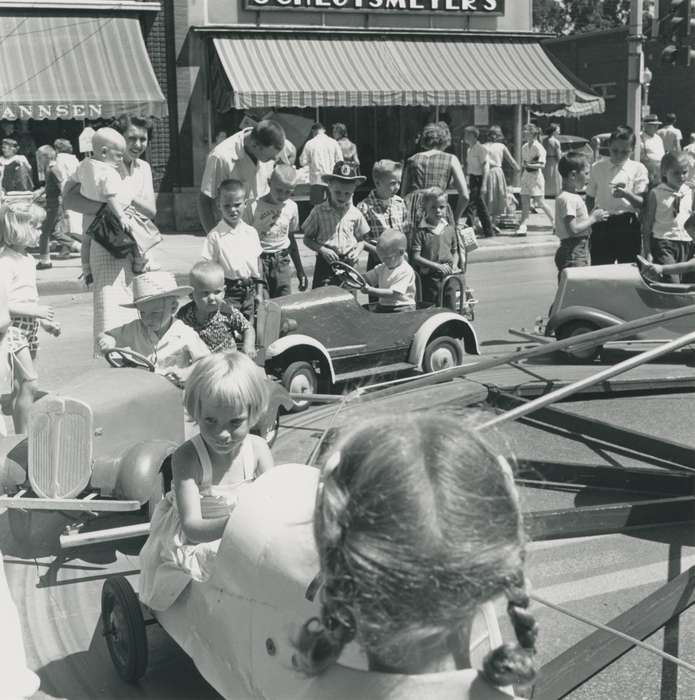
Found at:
<point>236,249</point>
<point>672,138</point>
<point>667,224</point>
<point>320,153</point>
<point>99,181</point>
<point>653,148</point>
<point>604,175</point>
<point>401,279</point>
<point>476,158</point>
<point>273,221</point>
<point>18,276</point>
<point>569,204</point>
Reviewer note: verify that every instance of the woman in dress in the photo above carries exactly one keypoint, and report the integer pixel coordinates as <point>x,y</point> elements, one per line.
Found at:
<point>433,167</point>
<point>348,148</point>
<point>111,277</point>
<point>496,198</point>
<point>553,153</point>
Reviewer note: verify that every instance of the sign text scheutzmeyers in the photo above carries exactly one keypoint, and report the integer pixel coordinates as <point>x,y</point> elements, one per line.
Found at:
<point>487,7</point>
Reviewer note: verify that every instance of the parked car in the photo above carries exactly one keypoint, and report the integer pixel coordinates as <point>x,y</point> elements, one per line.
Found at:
<point>576,143</point>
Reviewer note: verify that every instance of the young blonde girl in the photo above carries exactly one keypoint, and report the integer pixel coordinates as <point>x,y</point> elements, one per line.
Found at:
<point>225,394</point>
<point>533,158</point>
<point>20,228</point>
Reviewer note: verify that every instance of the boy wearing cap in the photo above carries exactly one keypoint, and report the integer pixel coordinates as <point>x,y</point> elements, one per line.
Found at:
<point>167,342</point>
<point>335,229</point>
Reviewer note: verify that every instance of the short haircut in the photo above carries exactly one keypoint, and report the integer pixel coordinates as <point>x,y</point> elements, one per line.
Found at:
<point>435,135</point>
<point>532,129</point>
<point>62,146</point>
<point>17,222</point>
<point>572,162</point>
<point>432,194</point>
<point>339,129</point>
<point>472,130</point>
<point>231,185</point>
<point>673,161</point>
<point>286,173</point>
<point>670,118</point>
<point>12,143</point>
<point>107,137</point>
<point>390,238</point>
<point>622,133</point>
<point>205,269</point>
<point>228,378</point>
<point>46,150</point>
<point>124,121</point>
<point>269,133</point>
<point>385,168</point>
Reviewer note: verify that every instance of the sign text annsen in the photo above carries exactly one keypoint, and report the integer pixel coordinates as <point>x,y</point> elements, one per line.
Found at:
<point>73,110</point>
<point>424,6</point>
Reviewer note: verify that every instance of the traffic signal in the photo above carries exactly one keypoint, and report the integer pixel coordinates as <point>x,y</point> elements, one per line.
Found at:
<point>679,31</point>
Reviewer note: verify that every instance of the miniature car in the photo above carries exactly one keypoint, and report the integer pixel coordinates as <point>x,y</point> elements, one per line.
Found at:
<point>324,337</point>
<point>589,298</point>
<point>100,444</point>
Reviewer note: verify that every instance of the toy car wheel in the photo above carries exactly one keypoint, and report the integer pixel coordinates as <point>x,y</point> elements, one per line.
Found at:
<point>573,328</point>
<point>20,526</point>
<point>442,353</point>
<point>123,626</point>
<point>300,378</point>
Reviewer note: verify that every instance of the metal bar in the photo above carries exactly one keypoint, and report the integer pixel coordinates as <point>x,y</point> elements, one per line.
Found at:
<point>104,506</point>
<point>113,534</point>
<point>633,385</point>
<point>588,657</point>
<point>526,370</point>
<point>317,398</point>
<point>535,337</point>
<point>597,378</point>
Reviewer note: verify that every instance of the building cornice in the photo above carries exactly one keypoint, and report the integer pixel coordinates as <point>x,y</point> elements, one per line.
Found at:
<point>119,5</point>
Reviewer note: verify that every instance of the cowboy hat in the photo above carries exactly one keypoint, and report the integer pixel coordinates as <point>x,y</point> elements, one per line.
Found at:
<point>155,285</point>
<point>345,172</point>
<point>652,119</point>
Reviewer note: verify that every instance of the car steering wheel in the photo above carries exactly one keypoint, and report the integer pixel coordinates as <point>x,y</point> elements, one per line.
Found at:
<point>351,278</point>
<point>124,357</point>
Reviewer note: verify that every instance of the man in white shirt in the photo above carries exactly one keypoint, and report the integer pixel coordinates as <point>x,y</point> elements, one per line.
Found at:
<point>670,134</point>
<point>652,148</point>
<point>320,153</point>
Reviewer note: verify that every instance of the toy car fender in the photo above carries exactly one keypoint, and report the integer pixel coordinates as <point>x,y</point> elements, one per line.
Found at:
<point>455,326</point>
<point>581,313</point>
<point>296,340</point>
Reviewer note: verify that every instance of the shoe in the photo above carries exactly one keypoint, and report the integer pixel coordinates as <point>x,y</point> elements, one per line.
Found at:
<point>43,265</point>
<point>521,231</point>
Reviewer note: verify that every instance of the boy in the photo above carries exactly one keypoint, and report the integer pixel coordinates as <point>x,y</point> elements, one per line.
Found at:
<point>235,246</point>
<point>478,167</point>
<point>335,229</point>
<point>392,281</point>
<point>167,342</point>
<point>276,219</point>
<point>572,221</point>
<point>435,247</point>
<point>382,208</point>
<point>216,327</point>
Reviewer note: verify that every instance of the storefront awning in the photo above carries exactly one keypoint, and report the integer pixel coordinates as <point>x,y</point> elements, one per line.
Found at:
<point>361,71</point>
<point>585,104</point>
<point>75,67</point>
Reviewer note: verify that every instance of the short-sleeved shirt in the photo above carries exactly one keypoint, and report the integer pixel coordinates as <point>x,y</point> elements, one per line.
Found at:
<point>533,154</point>
<point>569,204</point>
<point>178,348</point>
<point>99,181</point>
<point>339,229</point>
<point>18,277</point>
<point>434,242</point>
<point>229,159</point>
<point>236,249</point>
<point>673,207</point>
<point>476,159</point>
<point>320,153</point>
<point>672,138</point>
<point>400,279</point>
<point>219,331</point>
<point>273,221</point>
<point>653,148</point>
<point>382,214</point>
<point>605,175</point>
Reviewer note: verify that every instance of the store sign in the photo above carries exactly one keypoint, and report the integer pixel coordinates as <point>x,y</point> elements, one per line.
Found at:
<point>422,6</point>
<point>75,110</point>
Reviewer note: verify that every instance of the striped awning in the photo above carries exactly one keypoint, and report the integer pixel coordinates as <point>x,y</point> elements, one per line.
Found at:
<point>584,105</point>
<point>75,67</point>
<point>361,71</point>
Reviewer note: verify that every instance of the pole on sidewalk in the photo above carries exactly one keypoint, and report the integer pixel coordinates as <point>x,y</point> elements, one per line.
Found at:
<point>635,67</point>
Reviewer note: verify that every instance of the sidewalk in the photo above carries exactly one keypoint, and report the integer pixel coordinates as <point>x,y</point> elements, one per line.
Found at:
<point>179,251</point>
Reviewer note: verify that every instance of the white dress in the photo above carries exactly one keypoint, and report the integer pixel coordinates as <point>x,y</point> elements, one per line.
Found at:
<point>168,562</point>
<point>532,181</point>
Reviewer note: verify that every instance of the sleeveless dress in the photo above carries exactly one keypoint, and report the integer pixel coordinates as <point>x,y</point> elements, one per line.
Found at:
<point>496,198</point>
<point>168,562</point>
<point>551,172</point>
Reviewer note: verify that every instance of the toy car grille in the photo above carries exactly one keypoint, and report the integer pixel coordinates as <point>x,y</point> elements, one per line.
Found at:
<point>60,447</point>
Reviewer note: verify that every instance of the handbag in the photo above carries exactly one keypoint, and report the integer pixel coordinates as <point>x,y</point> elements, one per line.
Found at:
<point>466,238</point>
<point>107,231</point>
<point>144,232</point>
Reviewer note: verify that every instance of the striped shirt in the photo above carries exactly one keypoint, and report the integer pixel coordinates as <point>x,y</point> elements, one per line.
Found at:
<point>338,229</point>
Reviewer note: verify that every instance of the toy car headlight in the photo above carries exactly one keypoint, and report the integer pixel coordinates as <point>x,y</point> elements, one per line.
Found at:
<point>287,326</point>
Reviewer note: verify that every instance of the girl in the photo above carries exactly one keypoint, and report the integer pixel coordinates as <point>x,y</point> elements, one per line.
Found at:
<point>496,196</point>
<point>225,394</point>
<point>20,227</point>
<point>532,181</point>
<point>553,153</point>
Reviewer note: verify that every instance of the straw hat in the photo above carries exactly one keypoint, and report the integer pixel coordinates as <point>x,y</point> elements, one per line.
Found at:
<point>652,119</point>
<point>155,285</point>
<point>345,172</point>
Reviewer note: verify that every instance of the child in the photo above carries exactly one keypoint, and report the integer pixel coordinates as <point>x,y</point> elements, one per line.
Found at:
<point>532,181</point>
<point>572,221</point>
<point>214,321</point>
<point>226,394</point>
<point>335,229</point>
<point>669,205</point>
<point>235,246</point>
<point>276,219</point>
<point>382,208</point>
<point>434,248</point>
<point>392,280</point>
<point>171,345</point>
<point>478,167</point>
<point>20,226</point>
<point>101,181</point>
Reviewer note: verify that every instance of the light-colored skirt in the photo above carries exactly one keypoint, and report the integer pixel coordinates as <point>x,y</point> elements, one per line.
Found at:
<point>496,197</point>
<point>553,180</point>
<point>533,183</point>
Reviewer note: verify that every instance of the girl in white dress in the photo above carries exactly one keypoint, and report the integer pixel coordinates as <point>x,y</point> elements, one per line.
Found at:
<point>533,157</point>
<point>225,394</point>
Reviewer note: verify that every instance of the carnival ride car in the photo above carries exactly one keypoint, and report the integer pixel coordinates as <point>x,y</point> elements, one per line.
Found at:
<point>101,444</point>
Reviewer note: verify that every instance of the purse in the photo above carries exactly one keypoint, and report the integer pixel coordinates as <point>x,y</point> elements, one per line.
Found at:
<point>466,238</point>
<point>144,232</point>
<point>107,231</point>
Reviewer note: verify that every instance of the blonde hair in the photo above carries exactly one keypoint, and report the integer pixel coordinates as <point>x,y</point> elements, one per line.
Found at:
<point>228,378</point>
<point>391,239</point>
<point>204,270</point>
<point>384,168</point>
<point>285,173</point>
<point>18,221</point>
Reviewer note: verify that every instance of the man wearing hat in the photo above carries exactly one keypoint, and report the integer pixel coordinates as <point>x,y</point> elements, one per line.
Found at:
<point>652,148</point>
<point>167,342</point>
<point>336,228</point>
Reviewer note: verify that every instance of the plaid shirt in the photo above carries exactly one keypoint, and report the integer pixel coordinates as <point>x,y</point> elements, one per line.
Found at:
<point>338,229</point>
<point>382,214</point>
<point>429,170</point>
<point>219,331</point>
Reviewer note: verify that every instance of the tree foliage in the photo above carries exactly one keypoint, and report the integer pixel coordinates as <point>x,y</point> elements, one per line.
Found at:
<point>577,16</point>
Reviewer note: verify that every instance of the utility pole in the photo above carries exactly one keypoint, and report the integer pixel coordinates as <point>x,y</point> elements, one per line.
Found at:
<point>635,66</point>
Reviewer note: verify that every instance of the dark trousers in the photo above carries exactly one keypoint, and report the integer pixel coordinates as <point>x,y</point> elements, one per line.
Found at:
<point>477,204</point>
<point>276,270</point>
<point>666,252</point>
<point>240,293</point>
<point>616,240</point>
<point>392,309</point>
<point>430,290</point>
<point>322,272</point>
<point>54,216</point>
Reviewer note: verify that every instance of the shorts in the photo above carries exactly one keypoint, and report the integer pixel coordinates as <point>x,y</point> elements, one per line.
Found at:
<point>533,183</point>
<point>23,332</point>
<point>573,252</point>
